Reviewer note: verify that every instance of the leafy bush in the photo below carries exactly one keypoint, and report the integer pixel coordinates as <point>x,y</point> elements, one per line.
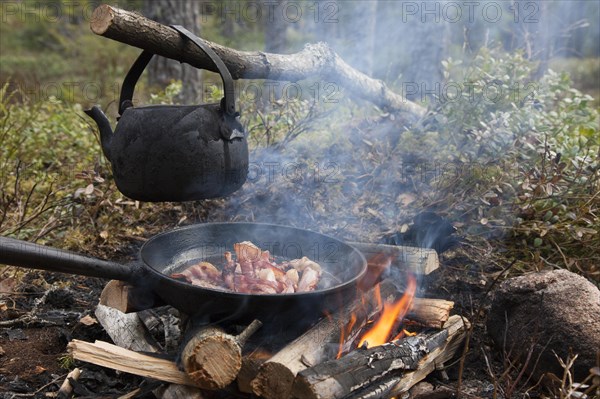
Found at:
<point>510,158</point>
<point>57,187</point>
<point>522,163</point>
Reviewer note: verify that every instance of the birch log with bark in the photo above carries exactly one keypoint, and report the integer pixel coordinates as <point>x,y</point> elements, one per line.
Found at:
<point>381,366</point>
<point>276,376</point>
<point>212,358</point>
<point>314,60</point>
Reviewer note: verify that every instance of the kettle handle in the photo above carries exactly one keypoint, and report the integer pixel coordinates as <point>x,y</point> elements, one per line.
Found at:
<point>144,58</point>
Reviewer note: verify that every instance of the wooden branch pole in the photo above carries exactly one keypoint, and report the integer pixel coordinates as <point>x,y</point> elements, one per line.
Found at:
<point>314,60</point>
<point>276,376</point>
<point>108,355</point>
<point>364,369</point>
<point>212,358</point>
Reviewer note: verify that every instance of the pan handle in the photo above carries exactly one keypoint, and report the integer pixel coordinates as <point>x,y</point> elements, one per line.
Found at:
<point>33,256</point>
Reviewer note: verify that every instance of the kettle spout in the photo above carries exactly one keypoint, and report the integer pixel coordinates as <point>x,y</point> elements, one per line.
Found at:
<point>103,123</point>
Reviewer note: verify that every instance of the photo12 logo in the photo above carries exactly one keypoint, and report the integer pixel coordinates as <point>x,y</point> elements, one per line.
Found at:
<point>294,172</point>
<point>470,11</point>
<point>68,91</point>
<point>52,11</point>
<point>55,11</point>
<point>492,92</point>
<point>317,91</point>
<point>269,11</point>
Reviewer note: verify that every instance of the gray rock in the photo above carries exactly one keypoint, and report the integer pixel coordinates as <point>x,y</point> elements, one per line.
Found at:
<point>539,313</point>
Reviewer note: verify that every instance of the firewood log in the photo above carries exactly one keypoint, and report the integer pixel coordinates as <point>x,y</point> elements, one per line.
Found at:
<point>430,312</point>
<point>127,298</point>
<point>250,366</point>
<point>419,261</point>
<point>374,367</point>
<point>212,358</point>
<point>276,376</point>
<point>117,358</point>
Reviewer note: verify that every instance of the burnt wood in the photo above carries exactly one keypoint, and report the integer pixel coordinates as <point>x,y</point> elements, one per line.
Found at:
<point>276,376</point>
<point>381,371</point>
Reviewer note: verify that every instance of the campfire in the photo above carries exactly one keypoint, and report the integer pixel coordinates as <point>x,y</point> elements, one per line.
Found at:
<point>378,345</point>
<point>250,320</point>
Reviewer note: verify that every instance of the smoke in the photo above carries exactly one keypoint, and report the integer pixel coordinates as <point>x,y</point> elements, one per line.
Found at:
<point>363,174</point>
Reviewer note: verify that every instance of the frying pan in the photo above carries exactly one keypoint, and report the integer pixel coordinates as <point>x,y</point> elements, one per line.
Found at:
<point>174,251</point>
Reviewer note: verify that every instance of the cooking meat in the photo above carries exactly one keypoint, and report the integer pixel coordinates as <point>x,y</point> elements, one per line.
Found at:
<point>246,251</point>
<point>303,263</point>
<point>309,280</point>
<point>254,271</point>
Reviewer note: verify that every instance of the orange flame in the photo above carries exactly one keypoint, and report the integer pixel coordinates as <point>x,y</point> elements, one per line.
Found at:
<point>377,265</point>
<point>404,333</point>
<point>345,331</point>
<point>382,329</point>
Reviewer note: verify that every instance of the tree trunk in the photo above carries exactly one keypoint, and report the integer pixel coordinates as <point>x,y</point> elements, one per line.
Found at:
<point>162,71</point>
<point>275,42</point>
<point>360,35</point>
<point>275,30</point>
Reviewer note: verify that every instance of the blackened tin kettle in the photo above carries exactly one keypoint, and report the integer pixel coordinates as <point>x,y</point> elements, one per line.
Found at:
<point>173,152</point>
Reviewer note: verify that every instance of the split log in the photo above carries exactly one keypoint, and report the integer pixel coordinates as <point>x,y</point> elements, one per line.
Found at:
<point>107,355</point>
<point>383,367</point>
<point>314,60</point>
<point>212,358</point>
<point>430,312</point>
<point>126,330</point>
<point>127,298</point>
<point>276,376</point>
<point>419,261</point>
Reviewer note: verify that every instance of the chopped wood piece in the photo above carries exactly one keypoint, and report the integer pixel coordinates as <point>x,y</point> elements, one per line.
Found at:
<point>381,371</point>
<point>108,355</point>
<point>212,358</point>
<point>430,312</point>
<point>250,366</point>
<point>126,329</point>
<point>419,261</point>
<point>315,60</point>
<point>276,376</point>
<point>66,389</point>
<point>127,298</point>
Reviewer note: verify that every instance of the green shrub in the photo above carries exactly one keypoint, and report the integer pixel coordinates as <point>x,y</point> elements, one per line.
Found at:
<point>528,160</point>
